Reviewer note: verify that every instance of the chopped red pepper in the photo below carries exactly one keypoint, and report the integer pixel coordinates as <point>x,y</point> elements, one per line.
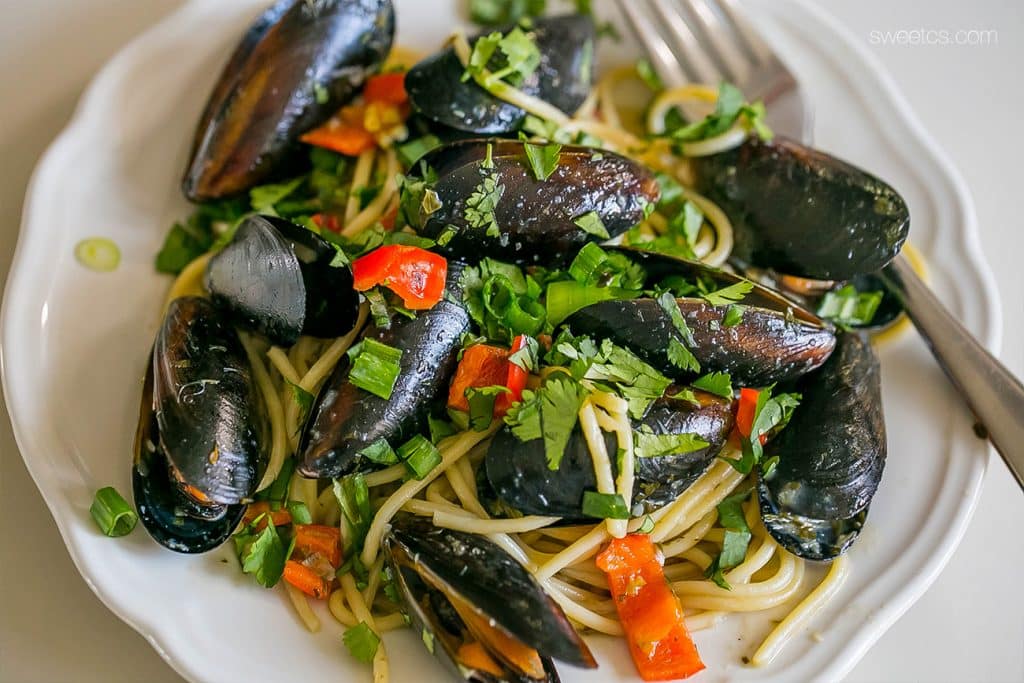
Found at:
<point>343,133</point>
<point>414,274</point>
<point>317,539</point>
<point>483,365</point>
<point>648,609</point>
<point>515,381</point>
<point>327,221</point>
<point>745,410</point>
<point>262,508</point>
<point>388,88</point>
<point>306,580</point>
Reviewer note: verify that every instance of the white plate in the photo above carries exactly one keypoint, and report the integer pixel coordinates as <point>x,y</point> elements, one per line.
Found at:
<point>74,344</point>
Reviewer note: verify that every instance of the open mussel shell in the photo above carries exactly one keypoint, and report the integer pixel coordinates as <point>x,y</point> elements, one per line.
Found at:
<point>775,340</point>
<point>831,456</point>
<point>296,65</point>
<point>522,482</point>
<point>173,519</point>
<point>276,278</point>
<point>212,423</point>
<point>345,419</point>
<point>532,221</point>
<point>563,79</point>
<point>802,212</point>
<point>459,587</point>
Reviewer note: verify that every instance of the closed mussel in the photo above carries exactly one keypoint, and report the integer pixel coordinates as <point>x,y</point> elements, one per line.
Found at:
<point>772,340</point>
<point>802,212</point>
<point>346,419</point>
<point>522,482</point>
<point>563,78</point>
<point>296,65</point>
<point>276,278</point>
<point>464,593</point>
<point>830,456</point>
<point>485,200</point>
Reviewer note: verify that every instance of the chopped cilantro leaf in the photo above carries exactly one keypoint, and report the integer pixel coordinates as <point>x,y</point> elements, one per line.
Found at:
<point>847,306</point>
<point>264,197</point>
<point>550,413</point>
<point>729,295</point>
<point>410,152</point>
<point>770,413</point>
<point>480,205</point>
<point>591,223</point>
<point>380,452</point>
<point>604,505</point>
<point>527,357</point>
<point>481,405</point>
<point>354,500</point>
<point>362,642</point>
<point>647,444</point>
<point>733,316</point>
<point>262,553</point>
<point>543,159</point>
<point>718,383</point>
<point>729,108</point>
<point>501,12</point>
<point>303,399</point>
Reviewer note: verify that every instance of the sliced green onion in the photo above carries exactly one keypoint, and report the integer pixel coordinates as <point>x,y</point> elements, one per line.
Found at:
<point>587,263</point>
<point>361,642</point>
<point>299,512</point>
<point>375,367</point>
<point>647,526</point>
<point>566,297</point>
<point>847,306</point>
<point>420,456</point>
<point>410,152</point>
<point>112,513</point>
<point>604,505</point>
<point>98,253</point>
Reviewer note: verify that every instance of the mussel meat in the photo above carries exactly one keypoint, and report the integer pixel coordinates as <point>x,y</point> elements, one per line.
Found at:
<point>522,483</point>
<point>773,341</point>
<point>276,278</point>
<point>563,78</point>
<point>345,419</point>
<point>461,588</point>
<point>199,447</point>
<point>802,212</point>
<point>831,456</point>
<point>296,65</point>
<point>488,195</point>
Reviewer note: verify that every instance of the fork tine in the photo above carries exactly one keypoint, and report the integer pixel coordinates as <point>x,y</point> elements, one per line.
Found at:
<point>664,61</point>
<point>759,50</point>
<point>687,45</point>
<point>719,40</point>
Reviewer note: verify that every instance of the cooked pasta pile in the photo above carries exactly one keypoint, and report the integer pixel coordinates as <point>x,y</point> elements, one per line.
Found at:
<point>687,530</point>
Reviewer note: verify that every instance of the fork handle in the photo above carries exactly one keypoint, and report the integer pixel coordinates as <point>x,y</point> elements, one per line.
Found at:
<point>994,395</point>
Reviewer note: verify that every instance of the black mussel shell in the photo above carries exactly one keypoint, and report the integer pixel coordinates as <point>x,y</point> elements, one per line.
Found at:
<point>533,219</point>
<point>296,65</point>
<point>346,419</point>
<point>522,482</point>
<point>212,422</point>
<point>775,340</point>
<point>475,571</point>
<point>276,278</point>
<point>563,79</point>
<point>173,519</point>
<point>802,212</point>
<point>831,456</point>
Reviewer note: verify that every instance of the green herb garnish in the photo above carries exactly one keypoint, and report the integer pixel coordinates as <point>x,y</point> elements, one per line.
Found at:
<point>112,513</point>
<point>543,158</point>
<point>604,505</point>
<point>375,367</point>
<point>847,306</point>
<point>718,383</point>
<point>729,295</point>
<point>591,223</point>
<point>647,444</point>
<point>262,553</point>
<point>419,455</point>
<point>362,642</point>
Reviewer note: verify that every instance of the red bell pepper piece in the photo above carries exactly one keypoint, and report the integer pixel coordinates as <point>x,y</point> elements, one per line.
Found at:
<point>387,88</point>
<point>326,221</point>
<point>648,609</point>
<point>515,381</point>
<point>414,274</point>
<point>745,413</point>
<point>482,365</point>
<point>313,539</point>
<point>306,580</point>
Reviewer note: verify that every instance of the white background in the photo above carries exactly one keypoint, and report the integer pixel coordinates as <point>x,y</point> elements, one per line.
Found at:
<point>968,626</point>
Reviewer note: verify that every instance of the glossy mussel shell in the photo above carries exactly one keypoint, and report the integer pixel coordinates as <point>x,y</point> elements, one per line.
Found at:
<point>802,212</point>
<point>563,79</point>
<point>535,218</point>
<point>212,423</point>
<point>831,456</point>
<point>436,568</point>
<point>774,341</point>
<point>276,278</point>
<point>346,419</point>
<point>295,66</point>
<point>522,482</point>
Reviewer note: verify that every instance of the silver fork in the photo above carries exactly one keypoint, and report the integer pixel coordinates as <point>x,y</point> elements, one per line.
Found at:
<point>707,41</point>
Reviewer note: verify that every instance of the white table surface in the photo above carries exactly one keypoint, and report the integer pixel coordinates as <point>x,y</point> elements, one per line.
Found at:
<point>969,626</point>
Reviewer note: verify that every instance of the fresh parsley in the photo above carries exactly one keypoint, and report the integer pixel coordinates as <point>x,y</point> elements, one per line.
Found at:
<point>550,413</point>
<point>679,345</point>
<point>543,159</point>
<point>353,497</point>
<point>481,203</point>
<point>733,316</point>
<point>604,505</point>
<point>729,108</point>
<point>718,383</point>
<point>592,224</point>
<point>847,306</point>
<point>729,295</point>
<point>361,642</point>
<point>736,539</point>
<point>262,553</point>
<point>647,444</point>
<point>770,413</point>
